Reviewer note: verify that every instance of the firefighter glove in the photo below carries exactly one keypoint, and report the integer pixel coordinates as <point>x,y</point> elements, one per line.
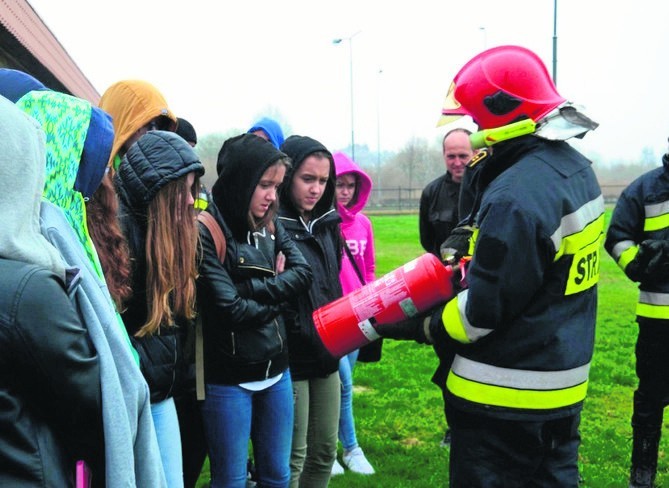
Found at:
<point>456,244</point>
<point>411,329</point>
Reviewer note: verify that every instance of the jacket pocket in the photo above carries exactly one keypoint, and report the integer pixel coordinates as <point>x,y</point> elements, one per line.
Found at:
<point>256,345</point>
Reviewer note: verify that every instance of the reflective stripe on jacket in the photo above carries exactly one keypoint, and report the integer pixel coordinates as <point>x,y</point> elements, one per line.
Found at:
<point>642,212</point>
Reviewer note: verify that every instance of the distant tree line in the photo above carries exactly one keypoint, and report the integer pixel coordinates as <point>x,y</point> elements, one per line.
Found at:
<point>408,170</point>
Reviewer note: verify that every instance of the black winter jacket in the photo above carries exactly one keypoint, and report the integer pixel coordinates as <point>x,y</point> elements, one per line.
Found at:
<point>438,213</point>
<point>242,302</point>
<point>156,159</point>
<point>321,243</point>
<point>50,395</point>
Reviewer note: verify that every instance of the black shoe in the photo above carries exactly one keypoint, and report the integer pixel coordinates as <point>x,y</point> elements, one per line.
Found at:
<point>446,441</point>
<point>642,478</point>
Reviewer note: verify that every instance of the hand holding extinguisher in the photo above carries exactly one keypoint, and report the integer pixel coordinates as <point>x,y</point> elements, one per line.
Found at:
<point>402,296</point>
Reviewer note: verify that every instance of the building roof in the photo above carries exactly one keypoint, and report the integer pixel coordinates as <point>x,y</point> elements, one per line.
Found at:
<point>27,44</point>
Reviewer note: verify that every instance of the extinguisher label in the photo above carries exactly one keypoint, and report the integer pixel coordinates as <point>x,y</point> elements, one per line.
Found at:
<point>379,296</point>
<point>409,307</point>
<point>368,330</point>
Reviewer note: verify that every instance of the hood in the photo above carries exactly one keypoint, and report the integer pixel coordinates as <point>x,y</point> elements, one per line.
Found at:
<point>297,148</point>
<point>132,104</point>
<point>186,130</point>
<point>343,165</point>
<point>14,84</point>
<point>241,163</point>
<point>156,159</point>
<point>270,127</point>
<point>22,155</point>
<point>78,143</point>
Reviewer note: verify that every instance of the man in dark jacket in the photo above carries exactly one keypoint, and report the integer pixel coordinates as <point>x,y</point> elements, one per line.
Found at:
<point>638,239</point>
<point>438,214</point>
<point>526,321</point>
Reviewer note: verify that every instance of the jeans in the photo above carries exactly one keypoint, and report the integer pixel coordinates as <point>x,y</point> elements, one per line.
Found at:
<point>232,415</point>
<point>169,441</point>
<point>314,450</point>
<point>347,435</point>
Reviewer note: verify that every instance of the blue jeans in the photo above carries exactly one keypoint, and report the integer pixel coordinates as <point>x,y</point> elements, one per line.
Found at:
<point>232,415</point>
<point>166,423</point>
<point>347,435</point>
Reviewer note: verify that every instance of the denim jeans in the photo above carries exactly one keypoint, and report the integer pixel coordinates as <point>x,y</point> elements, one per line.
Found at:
<point>232,415</point>
<point>166,423</point>
<point>347,435</point>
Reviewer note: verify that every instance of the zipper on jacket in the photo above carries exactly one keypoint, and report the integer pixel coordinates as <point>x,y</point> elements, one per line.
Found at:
<point>234,346</point>
<point>269,366</point>
<point>174,373</point>
<point>278,332</point>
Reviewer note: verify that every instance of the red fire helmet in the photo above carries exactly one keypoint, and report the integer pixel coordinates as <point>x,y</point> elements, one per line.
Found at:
<point>499,86</point>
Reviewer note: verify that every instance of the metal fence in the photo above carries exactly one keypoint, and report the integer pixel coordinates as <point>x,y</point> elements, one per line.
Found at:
<point>407,200</point>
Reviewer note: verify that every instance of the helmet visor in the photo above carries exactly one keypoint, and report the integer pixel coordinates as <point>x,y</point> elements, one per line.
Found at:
<point>451,110</point>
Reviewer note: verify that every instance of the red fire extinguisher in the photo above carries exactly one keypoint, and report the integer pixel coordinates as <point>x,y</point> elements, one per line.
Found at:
<point>344,324</point>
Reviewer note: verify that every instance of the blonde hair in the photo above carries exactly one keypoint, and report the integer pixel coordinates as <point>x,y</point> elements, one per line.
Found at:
<point>171,269</point>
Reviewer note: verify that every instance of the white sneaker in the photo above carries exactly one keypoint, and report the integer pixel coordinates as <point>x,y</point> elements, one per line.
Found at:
<point>356,461</point>
<point>337,469</point>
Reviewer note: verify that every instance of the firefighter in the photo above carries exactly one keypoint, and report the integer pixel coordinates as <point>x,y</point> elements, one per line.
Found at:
<point>525,322</point>
<point>638,240</point>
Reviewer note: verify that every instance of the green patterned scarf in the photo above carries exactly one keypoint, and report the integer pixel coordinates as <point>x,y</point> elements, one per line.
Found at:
<point>65,120</point>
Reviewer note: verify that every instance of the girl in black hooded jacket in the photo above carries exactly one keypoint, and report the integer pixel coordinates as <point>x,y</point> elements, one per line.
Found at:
<point>309,215</point>
<point>248,387</point>
<point>157,182</point>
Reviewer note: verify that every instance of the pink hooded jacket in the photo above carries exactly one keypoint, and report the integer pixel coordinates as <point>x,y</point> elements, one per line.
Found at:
<point>356,227</point>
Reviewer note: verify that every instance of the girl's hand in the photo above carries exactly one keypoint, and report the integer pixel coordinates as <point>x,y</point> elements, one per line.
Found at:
<point>280,263</point>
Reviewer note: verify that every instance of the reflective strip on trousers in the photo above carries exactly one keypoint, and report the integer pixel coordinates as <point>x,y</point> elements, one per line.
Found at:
<point>653,305</point>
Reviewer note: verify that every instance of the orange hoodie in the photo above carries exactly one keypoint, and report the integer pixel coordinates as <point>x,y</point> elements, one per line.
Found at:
<point>132,104</point>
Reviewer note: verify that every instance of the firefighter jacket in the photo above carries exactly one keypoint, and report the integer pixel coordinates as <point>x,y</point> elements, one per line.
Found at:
<point>641,213</point>
<point>527,319</point>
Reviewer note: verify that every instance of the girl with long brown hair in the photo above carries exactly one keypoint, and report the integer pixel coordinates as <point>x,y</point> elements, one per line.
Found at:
<point>156,182</point>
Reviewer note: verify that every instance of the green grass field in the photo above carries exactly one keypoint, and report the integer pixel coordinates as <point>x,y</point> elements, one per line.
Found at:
<point>399,412</point>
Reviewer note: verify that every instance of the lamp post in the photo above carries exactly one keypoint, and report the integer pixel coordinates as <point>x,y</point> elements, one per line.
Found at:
<point>555,42</point>
<point>350,52</point>
<point>378,129</point>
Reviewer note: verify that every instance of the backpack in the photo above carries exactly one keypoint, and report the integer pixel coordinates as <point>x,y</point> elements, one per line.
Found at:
<point>219,241</point>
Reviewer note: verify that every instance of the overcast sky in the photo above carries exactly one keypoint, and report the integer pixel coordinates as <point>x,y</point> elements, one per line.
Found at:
<point>221,64</point>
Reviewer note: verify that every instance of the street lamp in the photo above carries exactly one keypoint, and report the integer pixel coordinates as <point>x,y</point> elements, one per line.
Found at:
<point>350,52</point>
<point>378,129</point>
<point>555,42</point>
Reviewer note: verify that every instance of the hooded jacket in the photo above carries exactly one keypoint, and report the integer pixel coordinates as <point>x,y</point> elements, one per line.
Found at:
<point>50,391</point>
<point>321,244</point>
<point>156,159</point>
<point>242,300</point>
<point>356,228</point>
<point>132,104</point>
<point>271,128</point>
<point>79,139</point>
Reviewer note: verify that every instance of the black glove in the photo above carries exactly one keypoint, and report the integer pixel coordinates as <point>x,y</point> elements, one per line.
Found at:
<point>456,244</point>
<point>411,329</point>
<point>651,262</point>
